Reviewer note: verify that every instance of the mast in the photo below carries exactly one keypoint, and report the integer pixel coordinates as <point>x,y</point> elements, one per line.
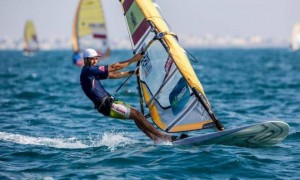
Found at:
<point>171,90</point>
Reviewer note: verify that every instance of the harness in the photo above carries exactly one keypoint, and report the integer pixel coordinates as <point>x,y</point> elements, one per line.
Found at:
<point>104,105</point>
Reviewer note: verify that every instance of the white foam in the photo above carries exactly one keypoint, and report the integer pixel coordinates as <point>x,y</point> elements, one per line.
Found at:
<point>111,140</point>
<point>42,141</point>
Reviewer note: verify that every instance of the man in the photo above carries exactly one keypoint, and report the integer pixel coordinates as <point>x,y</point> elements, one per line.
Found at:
<point>77,59</point>
<point>90,82</point>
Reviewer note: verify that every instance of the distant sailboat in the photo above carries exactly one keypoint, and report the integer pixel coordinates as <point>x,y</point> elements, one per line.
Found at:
<point>295,40</point>
<point>31,44</point>
<point>89,29</point>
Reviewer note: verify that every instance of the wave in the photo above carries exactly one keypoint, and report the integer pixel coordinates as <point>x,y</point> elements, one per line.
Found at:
<point>294,136</point>
<point>108,139</point>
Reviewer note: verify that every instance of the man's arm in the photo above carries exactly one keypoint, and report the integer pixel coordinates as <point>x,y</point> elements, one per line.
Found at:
<point>124,64</point>
<point>117,75</point>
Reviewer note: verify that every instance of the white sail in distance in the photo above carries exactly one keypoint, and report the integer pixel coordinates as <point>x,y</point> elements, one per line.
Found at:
<point>295,39</point>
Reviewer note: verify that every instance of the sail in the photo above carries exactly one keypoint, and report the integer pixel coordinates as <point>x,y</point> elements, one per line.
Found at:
<point>295,40</point>
<point>30,37</point>
<point>89,28</point>
<point>170,88</point>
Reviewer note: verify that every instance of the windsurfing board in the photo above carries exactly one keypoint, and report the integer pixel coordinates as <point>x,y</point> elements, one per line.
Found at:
<point>258,135</point>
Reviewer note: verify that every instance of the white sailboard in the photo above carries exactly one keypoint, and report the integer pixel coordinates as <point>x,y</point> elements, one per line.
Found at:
<point>257,135</point>
<point>170,92</point>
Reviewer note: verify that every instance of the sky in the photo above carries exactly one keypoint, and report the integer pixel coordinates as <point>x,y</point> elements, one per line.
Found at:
<point>242,18</point>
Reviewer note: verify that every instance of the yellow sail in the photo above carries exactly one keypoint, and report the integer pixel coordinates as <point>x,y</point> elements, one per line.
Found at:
<point>30,37</point>
<point>89,28</point>
<point>171,90</point>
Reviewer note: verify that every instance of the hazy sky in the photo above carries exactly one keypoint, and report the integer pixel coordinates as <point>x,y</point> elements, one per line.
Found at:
<point>53,18</point>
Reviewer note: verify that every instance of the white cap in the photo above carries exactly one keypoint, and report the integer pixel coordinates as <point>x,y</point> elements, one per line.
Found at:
<point>89,53</point>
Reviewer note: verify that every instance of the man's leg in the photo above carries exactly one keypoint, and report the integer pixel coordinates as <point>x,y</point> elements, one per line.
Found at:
<point>147,127</point>
<point>121,110</point>
<point>151,136</point>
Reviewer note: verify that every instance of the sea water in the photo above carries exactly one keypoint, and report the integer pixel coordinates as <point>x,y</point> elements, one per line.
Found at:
<point>50,130</point>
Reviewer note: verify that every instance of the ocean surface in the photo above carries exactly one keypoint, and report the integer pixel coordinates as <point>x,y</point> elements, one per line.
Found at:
<point>50,130</point>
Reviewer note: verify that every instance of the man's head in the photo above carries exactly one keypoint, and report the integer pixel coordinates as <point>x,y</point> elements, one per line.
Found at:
<point>90,57</point>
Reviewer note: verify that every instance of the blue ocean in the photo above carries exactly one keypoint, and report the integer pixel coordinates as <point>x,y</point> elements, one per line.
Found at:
<point>50,130</point>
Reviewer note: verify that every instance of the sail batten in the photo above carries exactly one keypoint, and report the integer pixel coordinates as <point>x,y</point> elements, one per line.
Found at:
<point>167,79</point>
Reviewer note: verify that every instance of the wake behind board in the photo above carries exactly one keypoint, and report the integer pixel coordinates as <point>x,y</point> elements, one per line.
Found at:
<point>257,135</point>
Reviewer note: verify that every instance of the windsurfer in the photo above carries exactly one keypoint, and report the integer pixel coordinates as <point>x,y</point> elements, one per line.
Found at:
<point>91,85</point>
<point>77,58</point>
